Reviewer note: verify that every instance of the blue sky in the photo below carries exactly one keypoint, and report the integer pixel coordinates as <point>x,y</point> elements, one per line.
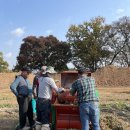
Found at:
<point>21,18</point>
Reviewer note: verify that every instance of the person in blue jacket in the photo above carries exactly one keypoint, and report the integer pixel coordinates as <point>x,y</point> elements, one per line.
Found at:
<point>23,91</point>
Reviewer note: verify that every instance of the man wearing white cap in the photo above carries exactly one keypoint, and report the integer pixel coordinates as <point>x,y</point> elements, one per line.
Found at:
<point>46,85</point>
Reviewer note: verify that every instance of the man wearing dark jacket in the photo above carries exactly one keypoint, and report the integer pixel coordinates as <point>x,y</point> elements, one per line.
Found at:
<point>22,90</point>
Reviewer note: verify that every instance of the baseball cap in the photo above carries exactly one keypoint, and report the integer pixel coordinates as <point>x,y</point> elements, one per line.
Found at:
<point>84,70</point>
<point>26,69</point>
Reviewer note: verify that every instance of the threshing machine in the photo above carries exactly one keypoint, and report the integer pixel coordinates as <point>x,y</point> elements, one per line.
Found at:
<point>65,112</point>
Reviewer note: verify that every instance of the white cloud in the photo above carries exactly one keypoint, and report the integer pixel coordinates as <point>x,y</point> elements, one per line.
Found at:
<point>49,31</point>
<point>8,55</point>
<point>18,32</point>
<point>120,11</point>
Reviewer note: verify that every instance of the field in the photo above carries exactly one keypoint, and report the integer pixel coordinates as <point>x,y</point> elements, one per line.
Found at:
<point>114,105</point>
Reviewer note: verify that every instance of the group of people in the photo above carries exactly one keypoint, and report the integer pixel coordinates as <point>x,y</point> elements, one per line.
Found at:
<point>43,85</point>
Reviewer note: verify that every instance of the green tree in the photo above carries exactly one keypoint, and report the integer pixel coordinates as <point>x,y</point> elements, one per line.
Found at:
<point>3,64</point>
<point>35,52</point>
<point>87,43</point>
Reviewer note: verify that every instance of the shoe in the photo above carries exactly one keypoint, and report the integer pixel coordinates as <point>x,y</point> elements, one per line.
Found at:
<point>33,127</point>
<point>25,128</point>
<point>45,127</point>
<point>38,127</point>
<point>18,127</point>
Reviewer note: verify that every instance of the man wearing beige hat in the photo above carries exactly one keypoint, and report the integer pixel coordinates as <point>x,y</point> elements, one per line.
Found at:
<point>46,85</point>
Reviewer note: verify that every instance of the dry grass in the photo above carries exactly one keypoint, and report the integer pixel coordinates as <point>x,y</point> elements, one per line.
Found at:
<point>114,102</point>
<point>117,94</point>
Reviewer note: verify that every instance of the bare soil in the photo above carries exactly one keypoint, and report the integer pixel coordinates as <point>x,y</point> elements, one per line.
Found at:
<point>114,88</point>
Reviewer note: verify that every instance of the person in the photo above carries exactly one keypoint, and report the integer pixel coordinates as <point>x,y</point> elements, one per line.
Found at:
<point>22,90</point>
<point>35,81</point>
<point>43,103</point>
<point>87,99</point>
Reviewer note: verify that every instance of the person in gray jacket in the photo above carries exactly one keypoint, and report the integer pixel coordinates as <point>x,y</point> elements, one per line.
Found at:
<point>23,91</point>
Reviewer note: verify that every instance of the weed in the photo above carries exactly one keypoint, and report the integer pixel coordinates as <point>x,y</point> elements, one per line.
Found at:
<point>6,106</point>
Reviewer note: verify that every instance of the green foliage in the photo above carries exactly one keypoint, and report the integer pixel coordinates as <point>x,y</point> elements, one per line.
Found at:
<point>95,44</point>
<point>116,106</point>
<point>92,44</point>
<point>86,41</point>
<point>35,52</point>
<point>6,105</point>
<point>3,64</point>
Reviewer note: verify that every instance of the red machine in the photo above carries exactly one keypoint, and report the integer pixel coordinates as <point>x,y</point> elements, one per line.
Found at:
<point>66,108</point>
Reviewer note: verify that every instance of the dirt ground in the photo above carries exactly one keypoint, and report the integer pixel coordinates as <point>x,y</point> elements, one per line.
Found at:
<point>111,76</point>
<point>114,89</point>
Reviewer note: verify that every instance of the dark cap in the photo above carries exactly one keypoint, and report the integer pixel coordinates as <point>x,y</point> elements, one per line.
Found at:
<point>26,69</point>
<point>84,70</point>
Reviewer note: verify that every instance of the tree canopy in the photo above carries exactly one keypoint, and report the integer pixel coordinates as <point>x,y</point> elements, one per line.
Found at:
<point>35,52</point>
<point>92,44</point>
<point>118,41</point>
<point>86,42</point>
<point>3,64</point>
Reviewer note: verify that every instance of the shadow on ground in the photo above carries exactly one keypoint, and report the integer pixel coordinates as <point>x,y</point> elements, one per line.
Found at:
<point>8,120</point>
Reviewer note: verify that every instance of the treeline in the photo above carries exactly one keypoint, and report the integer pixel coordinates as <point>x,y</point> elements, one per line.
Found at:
<point>3,64</point>
<point>92,44</point>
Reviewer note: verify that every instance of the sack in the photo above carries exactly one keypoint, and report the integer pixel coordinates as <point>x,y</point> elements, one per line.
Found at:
<point>23,90</point>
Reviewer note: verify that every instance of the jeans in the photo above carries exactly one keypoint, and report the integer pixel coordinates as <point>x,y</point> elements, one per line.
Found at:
<point>43,111</point>
<point>25,110</point>
<point>89,112</point>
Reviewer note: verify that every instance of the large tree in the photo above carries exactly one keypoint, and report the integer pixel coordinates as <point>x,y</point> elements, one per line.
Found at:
<point>3,64</point>
<point>118,41</point>
<point>35,52</point>
<point>87,43</point>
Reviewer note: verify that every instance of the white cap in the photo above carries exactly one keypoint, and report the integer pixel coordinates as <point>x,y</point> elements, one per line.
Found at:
<point>43,69</point>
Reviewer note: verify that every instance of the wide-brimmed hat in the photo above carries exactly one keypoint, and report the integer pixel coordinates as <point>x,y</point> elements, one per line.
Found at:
<point>50,70</point>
